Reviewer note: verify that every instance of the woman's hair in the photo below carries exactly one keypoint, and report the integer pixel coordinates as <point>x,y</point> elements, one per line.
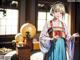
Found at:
<point>57,7</point>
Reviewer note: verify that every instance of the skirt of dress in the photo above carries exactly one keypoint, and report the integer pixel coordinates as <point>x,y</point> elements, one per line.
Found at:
<point>57,50</point>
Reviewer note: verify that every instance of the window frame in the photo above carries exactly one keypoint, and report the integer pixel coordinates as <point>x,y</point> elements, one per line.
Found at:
<point>16,24</point>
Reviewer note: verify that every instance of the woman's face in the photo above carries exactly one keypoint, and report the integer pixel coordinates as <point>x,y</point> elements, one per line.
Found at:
<point>57,15</point>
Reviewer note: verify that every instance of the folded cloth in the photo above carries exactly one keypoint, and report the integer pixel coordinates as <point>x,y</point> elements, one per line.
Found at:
<point>37,56</point>
<point>9,55</point>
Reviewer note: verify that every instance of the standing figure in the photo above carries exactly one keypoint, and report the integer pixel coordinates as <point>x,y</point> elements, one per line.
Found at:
<point>55,38</point>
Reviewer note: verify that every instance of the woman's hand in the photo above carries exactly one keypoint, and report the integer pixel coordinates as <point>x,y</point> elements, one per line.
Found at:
<point>75,35</point>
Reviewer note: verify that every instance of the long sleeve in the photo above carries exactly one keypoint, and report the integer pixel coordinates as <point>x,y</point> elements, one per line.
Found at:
<point>70,43</point>
<point>44,40</point>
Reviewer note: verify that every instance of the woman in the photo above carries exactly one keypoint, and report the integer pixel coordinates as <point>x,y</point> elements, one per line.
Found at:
<point>55,34</point>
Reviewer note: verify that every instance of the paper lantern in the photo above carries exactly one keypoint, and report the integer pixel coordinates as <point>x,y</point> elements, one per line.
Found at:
<point>19,40</point>
<point>28,27</point>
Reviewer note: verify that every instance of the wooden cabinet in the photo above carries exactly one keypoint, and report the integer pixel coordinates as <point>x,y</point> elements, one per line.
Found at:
<point>77,49</point>
<point>24,54</point>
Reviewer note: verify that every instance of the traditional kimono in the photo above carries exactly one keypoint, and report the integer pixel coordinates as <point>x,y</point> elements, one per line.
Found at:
<point>55,48</point>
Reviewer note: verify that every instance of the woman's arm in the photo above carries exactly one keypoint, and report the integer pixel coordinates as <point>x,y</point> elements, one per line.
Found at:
<point>44,40</point>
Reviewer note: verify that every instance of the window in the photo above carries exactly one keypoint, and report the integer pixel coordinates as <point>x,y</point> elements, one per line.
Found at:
<point>45,16</point>
<point>9,23</point>
<point>42,18</point>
